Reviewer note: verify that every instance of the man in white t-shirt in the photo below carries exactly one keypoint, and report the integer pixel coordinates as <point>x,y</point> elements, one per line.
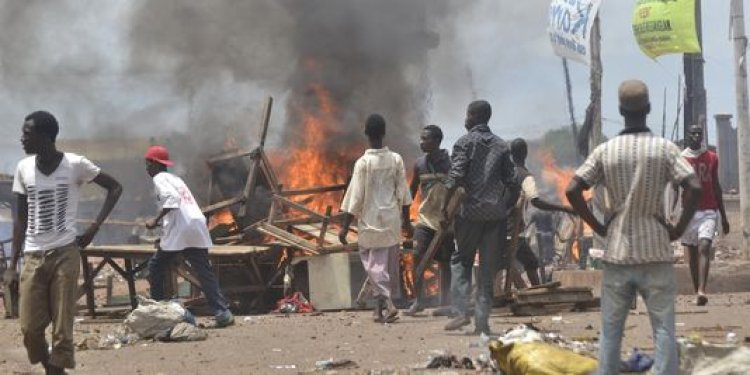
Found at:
<point>184,232</point>
<point>47,186</point>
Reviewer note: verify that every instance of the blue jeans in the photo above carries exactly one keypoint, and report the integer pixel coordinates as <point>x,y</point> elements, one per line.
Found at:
<point>656,284</point>
<point>159,264</point>
<point>486,237</point>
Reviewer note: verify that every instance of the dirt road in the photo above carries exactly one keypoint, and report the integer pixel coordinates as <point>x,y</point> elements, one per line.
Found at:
<point>278,344</point>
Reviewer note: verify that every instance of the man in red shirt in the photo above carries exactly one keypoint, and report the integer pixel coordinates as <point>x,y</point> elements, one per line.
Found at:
<point>702,228</point>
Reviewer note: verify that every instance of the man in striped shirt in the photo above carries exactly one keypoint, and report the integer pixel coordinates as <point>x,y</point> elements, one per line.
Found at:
<point>634,168</point>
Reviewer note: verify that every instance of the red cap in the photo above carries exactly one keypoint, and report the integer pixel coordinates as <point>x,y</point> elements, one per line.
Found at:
<point>158,154</point>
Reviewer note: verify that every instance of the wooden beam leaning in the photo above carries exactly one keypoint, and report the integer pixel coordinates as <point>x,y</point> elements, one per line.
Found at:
<point>453,205</point>
<point>267,169</point>
<point>228,156</point>
<point>223,204</point>
<point>287,202</point>
<point>313,190</point>
<point>287,238</point>
<point>252,172</point>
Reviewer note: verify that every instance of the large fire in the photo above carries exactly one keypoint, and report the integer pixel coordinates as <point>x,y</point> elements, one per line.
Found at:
<point>308,161</point>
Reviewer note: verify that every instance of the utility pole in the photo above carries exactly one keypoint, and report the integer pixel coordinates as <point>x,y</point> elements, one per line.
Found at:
<point>743,118</point>
<point>595,137</point>
<point>571,110</point>
<point>695,95</point>
<point>596,85</point>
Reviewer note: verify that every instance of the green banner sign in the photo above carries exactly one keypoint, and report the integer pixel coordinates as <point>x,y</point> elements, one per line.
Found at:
<point>665,26</point>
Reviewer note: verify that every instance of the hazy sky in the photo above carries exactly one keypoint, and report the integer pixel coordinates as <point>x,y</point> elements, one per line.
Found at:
<point>76,65</point>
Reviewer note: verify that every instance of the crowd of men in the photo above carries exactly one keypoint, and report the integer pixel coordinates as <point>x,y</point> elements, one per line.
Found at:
<point>634,169</point>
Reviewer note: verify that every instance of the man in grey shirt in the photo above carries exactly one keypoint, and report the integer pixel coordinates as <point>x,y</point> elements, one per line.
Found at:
<point>481,164</point>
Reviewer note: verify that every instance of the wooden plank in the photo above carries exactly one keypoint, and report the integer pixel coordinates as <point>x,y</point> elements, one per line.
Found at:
<point>437,240</point>
<point>551,285</point>
<point>287,238</point>
<point>297,206</point>
<point>264,121</point>
<point>572,297</point>
<point>267,168</point>
<point>339,248</point>
<point>148,250</point>
<point>313,190</point>
<point>249,189</point>
<point>331,236</point>
<point>220,205</point>
<point>228,156</point>
<point>569,289</point>
<point>295,221</point>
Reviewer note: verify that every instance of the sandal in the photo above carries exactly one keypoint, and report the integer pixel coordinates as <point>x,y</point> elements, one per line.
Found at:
<point>392,316</point>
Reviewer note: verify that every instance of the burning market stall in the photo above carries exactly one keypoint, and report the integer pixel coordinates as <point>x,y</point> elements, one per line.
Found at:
<point>260,229</point>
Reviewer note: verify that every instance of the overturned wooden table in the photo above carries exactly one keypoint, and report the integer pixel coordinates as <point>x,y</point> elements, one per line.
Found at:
<point>135,258</point>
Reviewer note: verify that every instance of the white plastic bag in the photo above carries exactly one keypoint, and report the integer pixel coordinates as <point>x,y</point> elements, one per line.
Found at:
<point>151,317</point>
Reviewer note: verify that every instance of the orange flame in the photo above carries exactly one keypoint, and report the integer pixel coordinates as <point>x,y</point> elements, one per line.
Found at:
<point>309,163</point>
<point>222,217</point>
<point>431,283</point>
<point>560,178</point>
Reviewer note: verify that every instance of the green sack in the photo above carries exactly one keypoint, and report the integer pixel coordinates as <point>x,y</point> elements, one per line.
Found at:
<point>665,26</point>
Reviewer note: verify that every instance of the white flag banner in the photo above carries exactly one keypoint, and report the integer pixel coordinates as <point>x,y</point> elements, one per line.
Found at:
<point>570,23</point>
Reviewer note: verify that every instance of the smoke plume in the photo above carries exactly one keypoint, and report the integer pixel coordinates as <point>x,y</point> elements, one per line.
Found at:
<point>369,56</point>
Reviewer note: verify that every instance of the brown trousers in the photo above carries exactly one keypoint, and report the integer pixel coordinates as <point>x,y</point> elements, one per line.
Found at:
<point>48,294</point>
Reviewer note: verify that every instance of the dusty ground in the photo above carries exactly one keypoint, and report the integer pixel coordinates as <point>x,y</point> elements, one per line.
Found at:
<point>279,344</point>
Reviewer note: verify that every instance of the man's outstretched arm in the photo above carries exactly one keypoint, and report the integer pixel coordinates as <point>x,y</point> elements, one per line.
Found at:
<point>545,205</point>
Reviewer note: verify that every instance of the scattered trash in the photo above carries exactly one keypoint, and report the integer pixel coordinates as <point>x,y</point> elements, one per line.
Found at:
<point>539,358</point>
<point>731,338</point>
<point>152,318</point>
<point>557,318</point>
<point>637,362</point>
<point>183,331</point>
<point>247,319</point>
<point>709,359</point>
<point>329,364</point>
<point>296,303</point>
<point>522,333</point>
<point>450,361</point>
<point>679,324</point>
<point>114,340</point>
<point>283,367</point>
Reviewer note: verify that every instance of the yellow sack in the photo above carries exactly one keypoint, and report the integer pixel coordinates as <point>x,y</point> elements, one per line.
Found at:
<point>538,358</point>
<point>662,27</point>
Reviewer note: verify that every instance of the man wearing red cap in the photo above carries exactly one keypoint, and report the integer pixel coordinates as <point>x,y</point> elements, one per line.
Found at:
<point>184,231</point>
